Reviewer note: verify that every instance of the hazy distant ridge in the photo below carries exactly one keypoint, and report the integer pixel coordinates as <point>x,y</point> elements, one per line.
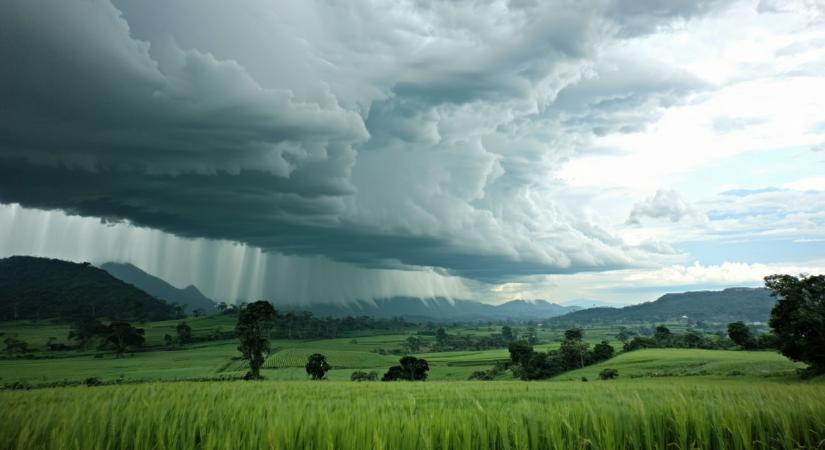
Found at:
<point>728,305</point>
<point>438,309</point>
<point>190,296</point>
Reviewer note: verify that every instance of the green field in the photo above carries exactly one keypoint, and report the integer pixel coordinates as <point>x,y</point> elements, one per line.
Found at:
<point>360,351</point>
<point>162,398</point>
<point>654,414</point>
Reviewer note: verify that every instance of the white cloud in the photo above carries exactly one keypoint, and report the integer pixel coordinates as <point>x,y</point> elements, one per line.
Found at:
<point>487,140</point>
<point>667,204</point>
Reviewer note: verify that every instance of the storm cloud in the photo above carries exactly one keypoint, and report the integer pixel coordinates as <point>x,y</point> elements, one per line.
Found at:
<point>386,135</point>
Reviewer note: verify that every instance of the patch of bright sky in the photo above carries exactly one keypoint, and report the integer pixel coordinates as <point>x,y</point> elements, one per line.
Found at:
<point>757,126</point>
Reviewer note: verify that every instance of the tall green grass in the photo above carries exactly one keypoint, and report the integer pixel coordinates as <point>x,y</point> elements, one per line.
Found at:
<point>649,414</point>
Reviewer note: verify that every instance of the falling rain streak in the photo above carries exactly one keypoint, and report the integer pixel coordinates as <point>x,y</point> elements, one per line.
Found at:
<point>222,270</point>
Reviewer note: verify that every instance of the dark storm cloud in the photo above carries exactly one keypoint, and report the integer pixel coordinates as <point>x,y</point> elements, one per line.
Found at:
<point>419,133</point>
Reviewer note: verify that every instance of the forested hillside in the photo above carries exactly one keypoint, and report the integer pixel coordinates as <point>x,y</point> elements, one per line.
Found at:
<point>729,305</point>
<point>40,288</point>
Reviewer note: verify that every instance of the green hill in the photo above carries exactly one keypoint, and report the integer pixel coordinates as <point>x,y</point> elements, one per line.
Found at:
<point>40,288</point>
<point>676,362</point>
<point>729,305</point>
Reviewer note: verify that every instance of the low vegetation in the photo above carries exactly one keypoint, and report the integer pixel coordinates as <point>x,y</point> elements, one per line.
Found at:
<point>656,414</point>
<point>675,386</point>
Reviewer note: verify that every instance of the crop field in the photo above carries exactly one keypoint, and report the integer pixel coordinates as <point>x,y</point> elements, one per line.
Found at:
<point>650,414</point>
<point>690,362</point>
<point>190,398</point>
<point>342,359</point>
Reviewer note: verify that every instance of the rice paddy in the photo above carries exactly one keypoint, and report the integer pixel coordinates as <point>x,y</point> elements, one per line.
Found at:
<point>653,414</point>
<point>176,399</point>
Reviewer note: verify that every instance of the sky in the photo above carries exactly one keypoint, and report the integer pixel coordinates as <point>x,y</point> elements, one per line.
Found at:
<point>317,151</point>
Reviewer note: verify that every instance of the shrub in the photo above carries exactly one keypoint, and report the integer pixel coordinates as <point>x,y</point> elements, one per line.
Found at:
<point>480,375</point>
<point>608,374</point>
<point>92,381</point>
<point>360,375</point>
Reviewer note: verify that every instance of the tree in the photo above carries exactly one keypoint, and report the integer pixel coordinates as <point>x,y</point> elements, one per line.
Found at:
<point>520,352</point>
<point>573,334</point>
<point>255,322</point>
<point>662,334</point>
<point>798,318</point>
<point>507,334</point>
<point>574,354</point>
<point>413,344</point>
<point>184,333</point>
<point>692,339</point>
<point>410,369</point>
<point>441,337</point>
<point>532,337</point>
<point>602,351</point>
<point>740,334</point>
<point>317,366</point>
<point>15,346</point>
<point>625,335</point>
<point>123,336</point>
<point>85,331</point>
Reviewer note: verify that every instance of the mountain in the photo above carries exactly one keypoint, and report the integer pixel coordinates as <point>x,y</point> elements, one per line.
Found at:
<point>189,297</point>
<point>729,305</point>
<point>39,288</point>
<point>437,309</point>
<point>585,303</point>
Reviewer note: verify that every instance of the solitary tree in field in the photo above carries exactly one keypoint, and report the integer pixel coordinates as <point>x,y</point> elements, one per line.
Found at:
<point>740,334</point>
<point>317,366</point>
<point>85,331</point>
<point>255,322</point>
<point>184,333</point>
<point>798,318</point>
<point>123,336</point>
<point>410,369</point>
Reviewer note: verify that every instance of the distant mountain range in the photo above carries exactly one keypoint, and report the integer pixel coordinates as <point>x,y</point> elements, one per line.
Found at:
<point>41,288</point>
<point>728,305</point>
<point>437,309</point>
<point>32,288</point>
<point>189,297</point>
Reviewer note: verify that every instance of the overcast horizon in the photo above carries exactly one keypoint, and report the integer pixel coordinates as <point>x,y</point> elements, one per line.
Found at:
<point>311,151</point>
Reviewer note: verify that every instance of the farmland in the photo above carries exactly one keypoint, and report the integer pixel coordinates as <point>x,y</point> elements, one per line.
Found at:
<point>657,413</point>
<point>191,397</point>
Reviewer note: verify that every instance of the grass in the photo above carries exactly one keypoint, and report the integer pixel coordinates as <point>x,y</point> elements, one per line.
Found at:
<point>664,398</point>
<point>656,414</point>
<point>671,362</point>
